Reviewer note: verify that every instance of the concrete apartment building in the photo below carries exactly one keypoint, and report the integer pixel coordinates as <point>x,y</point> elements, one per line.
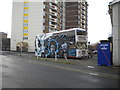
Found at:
<point>2,36</point>
<point>4,41</point>
<point>114,11</point>
<point>76,15</point>
<point>30,18</point>
<point>33,18</point>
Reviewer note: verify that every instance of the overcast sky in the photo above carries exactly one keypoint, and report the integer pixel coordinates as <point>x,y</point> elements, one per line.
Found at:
<point>99,24</point>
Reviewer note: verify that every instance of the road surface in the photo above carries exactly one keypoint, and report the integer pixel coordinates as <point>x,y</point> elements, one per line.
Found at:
<point>27,72</point>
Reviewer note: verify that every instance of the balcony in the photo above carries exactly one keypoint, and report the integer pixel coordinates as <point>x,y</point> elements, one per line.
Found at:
<point>54,8</point>
<point>83,17</point>
<point>51,28</point>
<point>83,9</point>
<point>53,15</point>
<point>53,24</point>
<point>55,27</point>
<point>54,4</point>
<point>83,13</point>
<point>58,15</point>
<point>58,28</point>
<point>53,20</point>
<point>54,1</point>
<point>83,21</point>
<point>59,4</point>
<point>83,4</point>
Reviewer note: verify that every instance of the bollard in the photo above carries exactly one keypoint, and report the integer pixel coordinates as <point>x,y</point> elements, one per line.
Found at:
<point>55,56</point>
<point>65,56</point>
<point>46,57</point>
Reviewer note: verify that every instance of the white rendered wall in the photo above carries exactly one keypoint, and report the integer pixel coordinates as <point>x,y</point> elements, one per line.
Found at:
<point>17,24</point>
<point>116,34</point>
<point>35,23</point>
<point>119,35</point>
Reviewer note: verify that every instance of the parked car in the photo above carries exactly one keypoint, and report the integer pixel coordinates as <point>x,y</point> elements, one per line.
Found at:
<point>95,52</point>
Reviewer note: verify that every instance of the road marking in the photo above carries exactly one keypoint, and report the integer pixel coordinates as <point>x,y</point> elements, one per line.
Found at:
<point>90,67</point>
<point>2,56</point>
<point>93,74</point>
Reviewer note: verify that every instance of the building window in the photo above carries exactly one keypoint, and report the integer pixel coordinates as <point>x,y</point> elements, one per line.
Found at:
<point>25,24</point>
<point>24,38</point>
<point>25,31</point>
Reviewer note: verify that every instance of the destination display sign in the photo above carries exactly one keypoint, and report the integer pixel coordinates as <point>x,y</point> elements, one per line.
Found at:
<point>81,38</point>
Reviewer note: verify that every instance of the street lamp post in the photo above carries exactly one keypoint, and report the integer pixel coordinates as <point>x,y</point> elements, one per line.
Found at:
<point>20,48</point>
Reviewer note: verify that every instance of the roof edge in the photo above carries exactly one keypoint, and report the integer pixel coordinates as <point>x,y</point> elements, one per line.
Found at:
<point>114,2</point>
